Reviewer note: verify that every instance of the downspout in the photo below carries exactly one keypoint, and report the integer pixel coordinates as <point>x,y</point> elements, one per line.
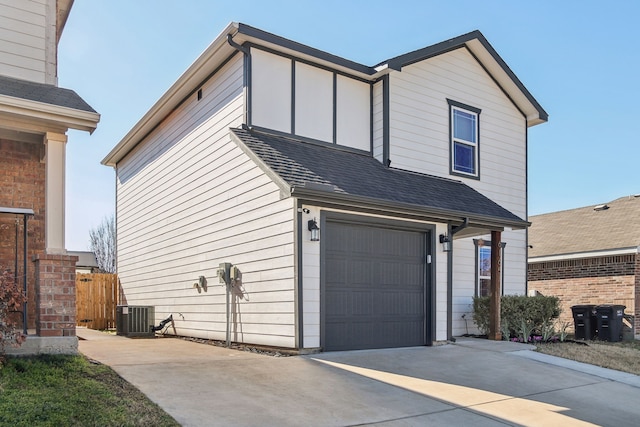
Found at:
<point>451,231</point>
<point>236,46</point>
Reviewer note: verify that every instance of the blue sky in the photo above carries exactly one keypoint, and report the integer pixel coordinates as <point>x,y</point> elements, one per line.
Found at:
<point>579,59</point>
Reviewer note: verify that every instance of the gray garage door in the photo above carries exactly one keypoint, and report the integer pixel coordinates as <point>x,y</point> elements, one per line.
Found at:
<point>374,287</point>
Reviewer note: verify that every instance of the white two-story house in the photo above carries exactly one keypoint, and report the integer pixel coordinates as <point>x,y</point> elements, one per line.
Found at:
<point>330,186</point>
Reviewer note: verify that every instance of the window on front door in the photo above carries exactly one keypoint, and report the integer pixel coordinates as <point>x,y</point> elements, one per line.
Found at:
<point>465,139</point>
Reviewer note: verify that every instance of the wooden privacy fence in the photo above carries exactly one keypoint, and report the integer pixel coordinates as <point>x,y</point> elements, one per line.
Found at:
<point>96,300</point>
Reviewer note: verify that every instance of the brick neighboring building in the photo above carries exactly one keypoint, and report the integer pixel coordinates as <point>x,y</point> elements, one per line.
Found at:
<point>589,255</point>
<point>35,115</point>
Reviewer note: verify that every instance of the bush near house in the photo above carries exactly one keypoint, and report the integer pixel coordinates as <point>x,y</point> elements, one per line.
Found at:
<point>12,299</point>
<point>520,316</point>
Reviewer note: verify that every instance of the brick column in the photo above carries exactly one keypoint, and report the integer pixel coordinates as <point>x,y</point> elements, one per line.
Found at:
<point>55,295</point>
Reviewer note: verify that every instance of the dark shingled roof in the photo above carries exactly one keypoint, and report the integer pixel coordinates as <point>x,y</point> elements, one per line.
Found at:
<point>360,175</point>
<point>40,92</point>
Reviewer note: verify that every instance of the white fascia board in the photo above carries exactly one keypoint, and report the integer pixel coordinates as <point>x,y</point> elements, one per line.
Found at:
<point>65,116</point>
<point>592,254</point>
<point>193,77</point>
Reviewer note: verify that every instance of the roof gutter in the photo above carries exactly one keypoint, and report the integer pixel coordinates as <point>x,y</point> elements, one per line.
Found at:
<point>191,78</point>
<point>415,211</point>
<point>64,116</point>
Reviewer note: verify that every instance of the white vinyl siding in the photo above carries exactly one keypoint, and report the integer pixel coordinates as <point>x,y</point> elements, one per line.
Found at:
<point>420,141</point>
<point>23,39</point>
<point>419,125</point>
<point>270,91</point>
<point>188,199</point>
<point>314,102</point>
<point>353,113</point>
<point>514,265</point>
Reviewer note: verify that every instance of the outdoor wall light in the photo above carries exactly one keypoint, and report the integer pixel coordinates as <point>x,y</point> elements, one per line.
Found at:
<point>446,242</point>
<point>314,229</point>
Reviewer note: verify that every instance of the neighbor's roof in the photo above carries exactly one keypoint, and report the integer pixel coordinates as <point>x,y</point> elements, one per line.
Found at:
<point>46,102</point>
<point>40,92</point>
<point>610,227</point>
<point>220,50</point>
<point>321,173</point>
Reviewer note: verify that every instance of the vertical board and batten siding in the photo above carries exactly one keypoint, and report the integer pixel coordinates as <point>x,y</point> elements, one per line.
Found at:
<point>378,124</point>
<point>188,199</point>
<point>314,102</point>
<point>270,91</point>
<point>419,141</point>
<point>353,113</point>
<point>275,88</point>
<point>23,39</point>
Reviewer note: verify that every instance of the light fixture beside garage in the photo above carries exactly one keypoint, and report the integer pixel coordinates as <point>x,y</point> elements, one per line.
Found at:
<point>314,229</point>
<point>446,242</point>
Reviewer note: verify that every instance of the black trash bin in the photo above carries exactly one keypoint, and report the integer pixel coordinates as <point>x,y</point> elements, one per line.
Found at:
<point>610,322</point>
<point>584,320</point>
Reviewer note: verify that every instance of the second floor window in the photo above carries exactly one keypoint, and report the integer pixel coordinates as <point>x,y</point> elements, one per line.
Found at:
<point>464,139</point>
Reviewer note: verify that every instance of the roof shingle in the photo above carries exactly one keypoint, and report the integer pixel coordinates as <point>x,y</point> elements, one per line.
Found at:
<point>586,229</point>
<point>359,175</point>
<point>39,92</point>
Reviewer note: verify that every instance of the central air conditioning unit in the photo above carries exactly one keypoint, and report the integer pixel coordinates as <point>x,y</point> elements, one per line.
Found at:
<point>135,320</point>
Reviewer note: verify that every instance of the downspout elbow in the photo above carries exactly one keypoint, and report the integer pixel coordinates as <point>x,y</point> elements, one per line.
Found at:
<point>236,46</point>
<point>465,224</point>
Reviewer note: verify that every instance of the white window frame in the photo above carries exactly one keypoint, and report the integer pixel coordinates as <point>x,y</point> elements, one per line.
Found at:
<point>475,145</point>
<point>480,244</point>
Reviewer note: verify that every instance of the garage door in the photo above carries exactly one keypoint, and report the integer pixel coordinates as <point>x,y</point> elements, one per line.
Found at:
<point>374,287</point>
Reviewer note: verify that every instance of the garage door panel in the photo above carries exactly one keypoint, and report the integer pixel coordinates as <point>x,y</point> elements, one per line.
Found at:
<point>374,287</point>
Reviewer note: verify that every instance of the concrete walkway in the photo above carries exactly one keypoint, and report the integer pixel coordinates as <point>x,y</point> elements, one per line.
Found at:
<point>473,382</point>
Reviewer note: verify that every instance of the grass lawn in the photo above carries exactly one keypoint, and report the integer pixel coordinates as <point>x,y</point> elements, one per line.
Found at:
<point>621,356</point>
<point>71,391</point>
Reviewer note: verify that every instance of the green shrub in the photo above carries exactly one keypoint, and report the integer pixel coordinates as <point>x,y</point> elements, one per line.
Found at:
<point>518,314</point>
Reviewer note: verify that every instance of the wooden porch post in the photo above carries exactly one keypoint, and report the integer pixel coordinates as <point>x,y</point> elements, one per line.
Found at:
<point>496,292</point>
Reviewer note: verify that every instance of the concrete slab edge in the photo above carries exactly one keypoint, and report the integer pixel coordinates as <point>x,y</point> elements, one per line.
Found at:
<point>35,345</point>
<point>610,374</point>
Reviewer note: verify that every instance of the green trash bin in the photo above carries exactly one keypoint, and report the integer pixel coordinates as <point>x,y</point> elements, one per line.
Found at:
<point>609,318</point>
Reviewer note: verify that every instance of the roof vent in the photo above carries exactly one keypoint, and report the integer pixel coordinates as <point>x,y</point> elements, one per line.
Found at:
<point>601,208</point>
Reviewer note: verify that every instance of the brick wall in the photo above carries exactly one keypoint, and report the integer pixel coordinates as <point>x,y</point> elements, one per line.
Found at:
<point>637,311</point>
<point>602,280</point>
<point>618,265</point>
<point>22,178</point>
<point>55,291</point>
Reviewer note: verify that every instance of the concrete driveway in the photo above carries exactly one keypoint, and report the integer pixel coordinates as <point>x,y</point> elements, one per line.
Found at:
<point>473,382</point>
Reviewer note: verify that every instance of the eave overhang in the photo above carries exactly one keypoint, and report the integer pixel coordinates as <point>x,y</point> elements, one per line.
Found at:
<point>489,59</point>
<point>327,195</point>
<point>53,115</point>
<point>220,50</point>
<point>389,208</point>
